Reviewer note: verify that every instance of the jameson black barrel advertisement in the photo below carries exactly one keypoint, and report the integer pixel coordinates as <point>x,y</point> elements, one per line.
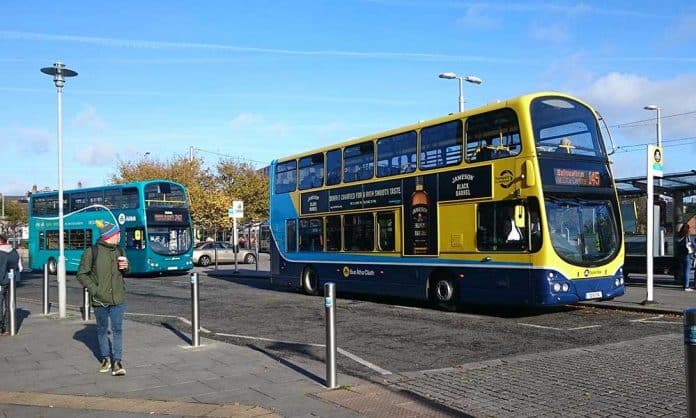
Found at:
<point>418,195</point>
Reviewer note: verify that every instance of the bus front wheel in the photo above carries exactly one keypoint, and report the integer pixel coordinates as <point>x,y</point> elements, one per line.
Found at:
<point>443,293</point>
<point>310,281</point>
<point>52,266</point>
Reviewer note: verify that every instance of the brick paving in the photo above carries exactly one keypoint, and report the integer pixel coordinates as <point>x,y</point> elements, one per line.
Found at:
<point>639,378</point>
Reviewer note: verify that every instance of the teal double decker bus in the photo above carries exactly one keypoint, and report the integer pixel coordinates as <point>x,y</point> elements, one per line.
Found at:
<point>153,216</point>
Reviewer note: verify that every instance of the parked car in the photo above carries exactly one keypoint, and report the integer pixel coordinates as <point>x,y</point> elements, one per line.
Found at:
<point>204,254</point>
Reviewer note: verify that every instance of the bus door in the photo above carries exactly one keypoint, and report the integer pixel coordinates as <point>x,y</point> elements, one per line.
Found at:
<point>507,232</point>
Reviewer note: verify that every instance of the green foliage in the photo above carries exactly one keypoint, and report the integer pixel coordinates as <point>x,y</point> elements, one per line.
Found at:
<point>211,193</point>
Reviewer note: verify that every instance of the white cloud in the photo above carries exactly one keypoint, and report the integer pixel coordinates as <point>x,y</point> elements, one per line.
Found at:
<point>88,118</point>
<point>96,154</point>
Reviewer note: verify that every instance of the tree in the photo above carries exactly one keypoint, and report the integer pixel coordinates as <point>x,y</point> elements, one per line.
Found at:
<point>16,217</point>
<point>211,194</point>
<point>243,182</point>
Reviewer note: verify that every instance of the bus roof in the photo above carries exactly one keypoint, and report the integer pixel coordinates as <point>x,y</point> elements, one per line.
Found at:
<point>498,104</point>
<point>107,186</point>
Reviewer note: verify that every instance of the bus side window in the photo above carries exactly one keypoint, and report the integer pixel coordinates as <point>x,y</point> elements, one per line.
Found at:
<point>497,228</point>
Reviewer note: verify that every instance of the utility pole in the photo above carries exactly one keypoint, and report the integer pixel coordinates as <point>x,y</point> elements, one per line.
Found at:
<point>191,153</point>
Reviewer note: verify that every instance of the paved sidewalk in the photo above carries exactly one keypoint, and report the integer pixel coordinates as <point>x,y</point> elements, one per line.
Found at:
<point>668,297</point>
<point>51,365</point>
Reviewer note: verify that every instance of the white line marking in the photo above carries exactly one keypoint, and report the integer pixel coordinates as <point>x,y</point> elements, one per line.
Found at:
<point>148,314</point>
<point>186,321</point>
<point>586,327</point>
<point>654,320</point>
<point>338,349</point>
<point>363,362</point>
<point>539,326</point>
<point>246,337</point>
<point>558,329</point>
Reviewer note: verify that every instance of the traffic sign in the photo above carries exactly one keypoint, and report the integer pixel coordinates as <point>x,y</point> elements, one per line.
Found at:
<point>237,209</point>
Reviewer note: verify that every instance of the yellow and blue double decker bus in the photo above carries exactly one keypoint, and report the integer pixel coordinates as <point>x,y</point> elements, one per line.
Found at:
<point>510,203</point>
<point>153,216</point>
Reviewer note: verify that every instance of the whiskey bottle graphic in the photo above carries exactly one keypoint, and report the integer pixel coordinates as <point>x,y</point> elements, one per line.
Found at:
<point>419,218</point>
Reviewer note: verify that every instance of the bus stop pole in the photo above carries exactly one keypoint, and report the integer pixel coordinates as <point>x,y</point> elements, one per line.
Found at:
<point>85,304</point>
<point>649,233</point>
<point>256,246</point>
<point>195,326</point>
<point>235,239</point>
<point>215,250</point>
<point>45,290</point>
<point>13,303</point>
<point>690,360</point>
<point>330,308</point>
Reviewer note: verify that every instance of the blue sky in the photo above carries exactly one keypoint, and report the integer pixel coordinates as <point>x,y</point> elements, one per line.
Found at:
<point>259,80</point>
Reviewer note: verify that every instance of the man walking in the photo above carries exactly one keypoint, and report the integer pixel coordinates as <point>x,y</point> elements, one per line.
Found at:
<point>101,271</point>
<point>9,260</point>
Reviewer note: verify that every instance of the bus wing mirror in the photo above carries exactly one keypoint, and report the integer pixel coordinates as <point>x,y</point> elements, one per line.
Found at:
<point>520,215</point>
<point>528,173</point>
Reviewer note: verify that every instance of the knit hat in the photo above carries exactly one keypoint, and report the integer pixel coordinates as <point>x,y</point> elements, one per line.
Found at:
<point>106,229</point>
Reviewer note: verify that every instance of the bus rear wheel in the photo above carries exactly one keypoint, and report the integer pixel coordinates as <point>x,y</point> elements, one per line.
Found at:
<point>443,293</point>
<point>310,281</point>
<point>52,266</point>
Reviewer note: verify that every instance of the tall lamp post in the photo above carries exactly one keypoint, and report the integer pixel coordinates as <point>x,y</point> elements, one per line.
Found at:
<point>650,233</point>
<point>469,78</point>
<point>59,73</point>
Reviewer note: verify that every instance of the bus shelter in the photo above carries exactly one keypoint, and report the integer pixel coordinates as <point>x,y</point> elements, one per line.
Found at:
<point>671,189</point>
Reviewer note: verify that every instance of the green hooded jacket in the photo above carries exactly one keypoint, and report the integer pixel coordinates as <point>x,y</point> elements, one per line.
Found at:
<point>103,280</point>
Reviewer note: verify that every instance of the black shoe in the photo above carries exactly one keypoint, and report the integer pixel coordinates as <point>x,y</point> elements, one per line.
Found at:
<point>118,369</point>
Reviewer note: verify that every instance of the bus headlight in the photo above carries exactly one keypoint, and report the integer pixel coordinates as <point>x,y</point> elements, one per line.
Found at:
<point>556,287</point>
<point>622,280</point>
<point>565,287</point>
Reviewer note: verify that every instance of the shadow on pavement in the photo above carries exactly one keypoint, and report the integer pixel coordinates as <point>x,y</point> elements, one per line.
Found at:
<point>21,315</point>
<point>88,337</point>
<point>289,364</point>
<point>177,332</point>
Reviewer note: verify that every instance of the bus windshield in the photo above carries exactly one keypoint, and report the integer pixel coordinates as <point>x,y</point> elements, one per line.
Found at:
<point>172,240</point>
<point>564,127</point>
<point>583,232</point>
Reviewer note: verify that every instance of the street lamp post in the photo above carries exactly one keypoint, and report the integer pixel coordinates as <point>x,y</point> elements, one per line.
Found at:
<point>658,124</point>
<point>59,73</point>
<point>469,78</point>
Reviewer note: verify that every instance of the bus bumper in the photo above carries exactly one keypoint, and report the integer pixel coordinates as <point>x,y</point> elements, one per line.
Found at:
<point>558,290</point>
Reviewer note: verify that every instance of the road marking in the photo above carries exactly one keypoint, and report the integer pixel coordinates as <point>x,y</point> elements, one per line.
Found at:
<point>338,349</point>
<point>655,320</point>
<point>558,329</point>
<point>182,319</point>
<point>363,362</point>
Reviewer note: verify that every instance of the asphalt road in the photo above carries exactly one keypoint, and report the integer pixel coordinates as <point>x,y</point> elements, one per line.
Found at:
<point>381,335</point>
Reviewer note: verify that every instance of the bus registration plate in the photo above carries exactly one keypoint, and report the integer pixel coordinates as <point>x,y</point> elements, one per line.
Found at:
<point>593,295</point>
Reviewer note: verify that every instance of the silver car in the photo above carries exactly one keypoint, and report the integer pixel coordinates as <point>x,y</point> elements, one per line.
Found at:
<point>204,254</point>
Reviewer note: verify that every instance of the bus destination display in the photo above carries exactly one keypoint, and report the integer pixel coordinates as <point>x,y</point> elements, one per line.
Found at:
<point>577,177</point>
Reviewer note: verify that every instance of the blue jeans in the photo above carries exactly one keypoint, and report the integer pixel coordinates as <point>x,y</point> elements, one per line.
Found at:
<point>686,270</point>
<point>103,315</point>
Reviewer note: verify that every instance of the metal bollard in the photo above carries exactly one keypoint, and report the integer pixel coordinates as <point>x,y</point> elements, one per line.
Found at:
<point>86,306</point>
<point>45,290</point>
<point>12,303</point>
<point>330,308</point>
<point>195,327</point>
<point>690,360</point>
